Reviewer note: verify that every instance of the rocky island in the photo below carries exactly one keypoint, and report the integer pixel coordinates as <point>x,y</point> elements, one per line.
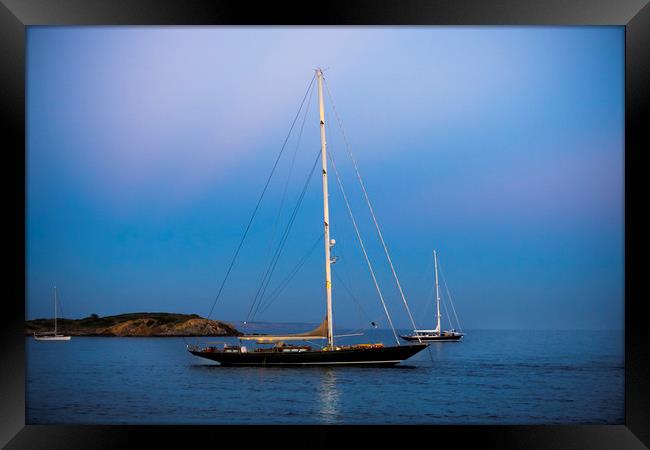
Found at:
<point>135,324</point>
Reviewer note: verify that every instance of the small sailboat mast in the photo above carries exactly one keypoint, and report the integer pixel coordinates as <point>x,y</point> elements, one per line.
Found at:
<point>435,263</point>
<point>55,329</point>
<point>49,336</point>
<point>326,213</point>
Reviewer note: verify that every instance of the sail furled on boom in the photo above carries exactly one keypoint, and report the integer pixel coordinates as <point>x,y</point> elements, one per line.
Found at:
<point>319,332</point>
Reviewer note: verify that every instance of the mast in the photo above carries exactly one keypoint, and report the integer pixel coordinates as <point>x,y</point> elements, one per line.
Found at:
<point>435,262</point>
<point>54,310</point>
<point>326,212</point>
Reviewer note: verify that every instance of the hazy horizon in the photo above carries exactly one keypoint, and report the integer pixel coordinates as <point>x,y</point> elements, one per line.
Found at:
<point>237,323</point>
<point>500,147</point>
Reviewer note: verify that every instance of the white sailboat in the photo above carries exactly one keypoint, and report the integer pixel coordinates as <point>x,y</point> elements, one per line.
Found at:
<point>437,334</point>
<point>52,336</point>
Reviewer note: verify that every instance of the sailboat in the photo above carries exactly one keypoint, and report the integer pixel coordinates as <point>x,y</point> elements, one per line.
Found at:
<point>52,336</point>
<point>284,354</point>
<point>436,335</point>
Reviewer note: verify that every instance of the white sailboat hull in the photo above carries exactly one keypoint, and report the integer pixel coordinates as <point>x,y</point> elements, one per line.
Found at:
<point>52,338</point>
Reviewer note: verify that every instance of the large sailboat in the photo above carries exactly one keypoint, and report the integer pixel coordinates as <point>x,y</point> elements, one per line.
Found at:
<point>436,335</point>
<point>52,335</point>
<point>283,353</point>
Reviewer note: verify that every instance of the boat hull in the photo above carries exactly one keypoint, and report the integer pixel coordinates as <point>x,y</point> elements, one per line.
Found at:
<point>443,338</point>
<point>382,356</point>
<point>52,338</point>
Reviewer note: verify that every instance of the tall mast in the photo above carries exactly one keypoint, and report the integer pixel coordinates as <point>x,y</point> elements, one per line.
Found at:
<point>326,212</point>
<point>435,262</point>
<point>55,310</point>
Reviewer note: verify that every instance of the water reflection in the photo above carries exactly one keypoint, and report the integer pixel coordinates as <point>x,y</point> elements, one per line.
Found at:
<point>329,395</point>
<point>436,348</point>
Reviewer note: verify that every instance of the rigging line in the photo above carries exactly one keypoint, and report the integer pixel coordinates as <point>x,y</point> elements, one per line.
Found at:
<point>278,290</point>
<point>349,291</point>
<point>314,344</point>
<point>283,241</point>
<point>444,305</point>
<point>348,285</point>
<point>61,318</point>
<point>425,274</point>
<point>428,293</point>
<point>358,304</point>
<point>283,284</point>
<point>430,297</point>
<point>286,184</point>
<point>269,272</point>
<point>266,278</point>
<point>342,265</point>
<point>363,248</point>
<point>269,257</point>
<point>449,295</point>
<point>259,201</point>
<point>60,307</point>
<point>372,212</point>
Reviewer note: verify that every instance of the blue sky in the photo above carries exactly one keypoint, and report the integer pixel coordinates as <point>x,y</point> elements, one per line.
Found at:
<point>501,147</point>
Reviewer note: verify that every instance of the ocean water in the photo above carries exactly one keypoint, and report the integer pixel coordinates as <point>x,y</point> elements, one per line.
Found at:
<point>491,377</point>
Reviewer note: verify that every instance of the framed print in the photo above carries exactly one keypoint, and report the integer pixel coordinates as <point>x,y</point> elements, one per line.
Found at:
<point>240,221</point>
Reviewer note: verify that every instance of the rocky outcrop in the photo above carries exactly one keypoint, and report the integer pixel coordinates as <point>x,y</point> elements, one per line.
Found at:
<point>136,324</point>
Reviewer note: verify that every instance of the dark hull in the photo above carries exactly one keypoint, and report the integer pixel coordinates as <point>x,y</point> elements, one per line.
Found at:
<point>433,338</point>
<point>369,357</point>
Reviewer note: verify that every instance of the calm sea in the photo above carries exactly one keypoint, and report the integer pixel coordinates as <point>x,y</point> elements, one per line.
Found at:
<point>492,377</point>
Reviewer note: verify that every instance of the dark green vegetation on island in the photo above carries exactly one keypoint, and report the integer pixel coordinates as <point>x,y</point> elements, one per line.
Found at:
<point>135,324</point>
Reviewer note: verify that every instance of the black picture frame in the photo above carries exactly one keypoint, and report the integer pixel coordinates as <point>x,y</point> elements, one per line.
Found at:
<point>15,15</point>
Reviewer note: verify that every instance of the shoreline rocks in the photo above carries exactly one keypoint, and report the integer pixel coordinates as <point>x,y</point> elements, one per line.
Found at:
<point>136,325</point>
